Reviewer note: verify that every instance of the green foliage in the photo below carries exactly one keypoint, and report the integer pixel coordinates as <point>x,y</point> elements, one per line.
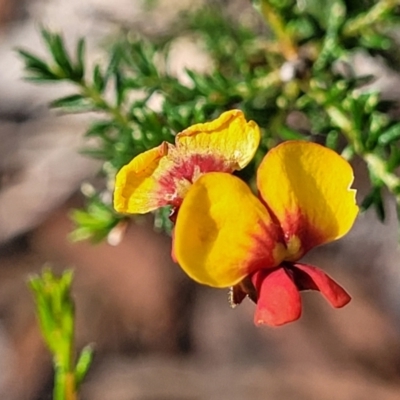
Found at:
<point>56,316</point>
<point>304,68</point>
<point>95,222</point>
<point>61,66</point>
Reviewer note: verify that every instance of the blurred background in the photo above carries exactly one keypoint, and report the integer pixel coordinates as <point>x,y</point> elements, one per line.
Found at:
<point>157,335</point>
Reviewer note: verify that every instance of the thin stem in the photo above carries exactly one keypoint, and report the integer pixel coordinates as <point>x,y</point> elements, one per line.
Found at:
<point>59,389</point>
<point>103,104</point>
<point>288,48</point>
<point>64,385</point>
<point>342,121</point>
<point>96,97</point>
<point>375,14</point>
<point>70,386</point>
<point>55,310</point>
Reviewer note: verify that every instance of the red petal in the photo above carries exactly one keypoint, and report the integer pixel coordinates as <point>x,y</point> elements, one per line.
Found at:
<point>279,300</point>
<point>309,277</point>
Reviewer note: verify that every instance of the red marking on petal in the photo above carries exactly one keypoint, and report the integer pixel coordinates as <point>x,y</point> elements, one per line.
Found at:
<point>308,277</point>
<point>185,170</point>
<point>297,224</point>
<point>279,300</point>
<point>268,246</point>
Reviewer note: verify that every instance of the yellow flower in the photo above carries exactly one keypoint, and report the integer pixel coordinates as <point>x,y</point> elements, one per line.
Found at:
<point>163,175</point>
<point>226,236</point>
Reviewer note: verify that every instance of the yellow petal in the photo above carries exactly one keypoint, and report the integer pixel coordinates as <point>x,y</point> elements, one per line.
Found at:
<point>223,232</point>
<point>307,187</point>
<point>136,188</point>
<point>230,137</point>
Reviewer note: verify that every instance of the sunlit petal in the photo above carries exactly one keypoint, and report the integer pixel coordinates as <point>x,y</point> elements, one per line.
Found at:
<point>136,189</point>
<point>307,188</point>
<point>223,232</point>
<point>309,277</point>
<point>230,138</point>
<point>279,300</point>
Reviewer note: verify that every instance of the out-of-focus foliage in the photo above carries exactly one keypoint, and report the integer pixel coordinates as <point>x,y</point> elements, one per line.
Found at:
<point>56,315</point>
<point>300,66</point>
